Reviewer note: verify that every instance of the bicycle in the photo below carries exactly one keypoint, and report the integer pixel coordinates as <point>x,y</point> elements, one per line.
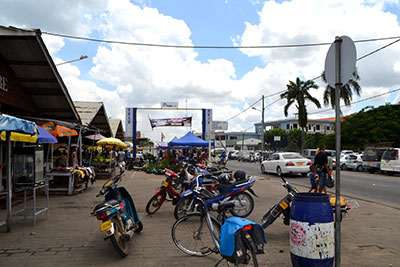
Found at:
<point>190,230</point>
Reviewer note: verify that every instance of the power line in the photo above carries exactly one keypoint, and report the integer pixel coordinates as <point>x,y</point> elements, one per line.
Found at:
<point>356,102</point>
<point>244,110</point>
<point>207,46</point>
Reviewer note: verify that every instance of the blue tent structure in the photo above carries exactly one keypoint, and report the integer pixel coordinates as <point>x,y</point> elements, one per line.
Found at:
<point>12,124</point>
<point>189,140</point>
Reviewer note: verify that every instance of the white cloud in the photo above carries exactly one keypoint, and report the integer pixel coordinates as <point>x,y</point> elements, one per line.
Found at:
<point>144,76</point>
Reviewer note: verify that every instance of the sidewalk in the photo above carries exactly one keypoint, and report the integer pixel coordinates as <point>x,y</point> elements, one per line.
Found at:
<point>71,236</point>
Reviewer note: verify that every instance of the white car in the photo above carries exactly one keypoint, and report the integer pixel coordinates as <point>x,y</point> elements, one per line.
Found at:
<point>286,162</point>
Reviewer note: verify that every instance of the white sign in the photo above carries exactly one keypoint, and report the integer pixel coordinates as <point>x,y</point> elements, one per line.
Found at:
<point>128,122</point>
<point>277,138</point>
<point>348,57</point>
<point>169,104</point>
<point>219,125</point>
<point>208,122</point>
<point>3,83</point>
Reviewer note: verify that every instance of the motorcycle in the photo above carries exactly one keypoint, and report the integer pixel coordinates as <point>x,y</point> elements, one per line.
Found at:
<point>118,215</point>
<point>167,187</point>
<point>222,191</point>
<point>283,206</point>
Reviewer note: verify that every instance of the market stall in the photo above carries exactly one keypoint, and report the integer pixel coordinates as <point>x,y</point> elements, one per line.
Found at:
<point>105,161</point>
<point>11,126</point>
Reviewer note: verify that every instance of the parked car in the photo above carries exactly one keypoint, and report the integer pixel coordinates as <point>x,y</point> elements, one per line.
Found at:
<point>346,152</point>
<point>286,162</point>
<point>390,161</point>
<point>233,154</point>
<point>354,162</point>
<point>372,158</point>
<point>244,156</point>
<point>309,154</point>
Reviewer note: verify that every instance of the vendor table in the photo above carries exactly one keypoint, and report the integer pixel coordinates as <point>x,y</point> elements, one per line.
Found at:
<point>70,187</point>
<point>35,210</point>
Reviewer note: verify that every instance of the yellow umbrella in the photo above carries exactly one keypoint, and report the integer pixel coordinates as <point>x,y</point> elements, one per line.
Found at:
<point>111,141</point>
<point>20,137</point>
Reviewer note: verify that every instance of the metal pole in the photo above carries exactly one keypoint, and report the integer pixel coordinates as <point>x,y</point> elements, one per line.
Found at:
<point>262,132</point>
<point>338,214</point>
<point>242,140</point>
<point>209,143</point>
<point>8,181</point>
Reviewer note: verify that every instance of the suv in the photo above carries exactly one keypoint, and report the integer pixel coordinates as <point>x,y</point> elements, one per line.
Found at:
<point>372,158</point>
<point>390,161</point>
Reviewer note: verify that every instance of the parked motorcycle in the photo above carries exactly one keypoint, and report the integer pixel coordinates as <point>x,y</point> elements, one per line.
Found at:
<point>118,215</point>
<point>223,189</point>
<point>167,188</point>
<point>283,206</point>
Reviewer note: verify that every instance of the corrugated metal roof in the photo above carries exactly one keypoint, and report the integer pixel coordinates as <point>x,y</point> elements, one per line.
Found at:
<point>117,129</point>
<point>94,114</point>
<point>26,54</point>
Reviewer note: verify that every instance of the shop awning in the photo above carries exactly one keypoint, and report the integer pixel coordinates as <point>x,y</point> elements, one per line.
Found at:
<point>13,124</point>
<point>35,88</point>
<point>93,114</point>
<point>189,140</point>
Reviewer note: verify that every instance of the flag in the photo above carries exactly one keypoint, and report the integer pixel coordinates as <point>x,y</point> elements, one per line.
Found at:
<point>162,135</point>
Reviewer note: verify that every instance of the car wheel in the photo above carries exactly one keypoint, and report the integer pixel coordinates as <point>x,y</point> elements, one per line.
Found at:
<point>343,166</point>
<point>360,168</point>
<point>262,168</point>
<point>303,174</point>
<point>279,171</point>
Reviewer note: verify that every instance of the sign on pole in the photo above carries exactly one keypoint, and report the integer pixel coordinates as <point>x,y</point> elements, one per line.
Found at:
<point>128,122</point>
<point>219,125</point>
<point>169,104</point>
<point>339,67</point>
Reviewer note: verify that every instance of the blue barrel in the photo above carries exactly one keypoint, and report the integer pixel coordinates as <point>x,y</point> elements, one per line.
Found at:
<point>312,232</point>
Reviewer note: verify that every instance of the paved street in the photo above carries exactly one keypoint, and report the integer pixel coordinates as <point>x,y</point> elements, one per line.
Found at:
<point>378,188</point>
<point>71,237</point>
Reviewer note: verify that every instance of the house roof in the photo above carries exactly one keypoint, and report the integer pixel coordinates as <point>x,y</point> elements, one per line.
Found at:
<point>37,77</point>
<point>117,129</point>
<point>94,115</point>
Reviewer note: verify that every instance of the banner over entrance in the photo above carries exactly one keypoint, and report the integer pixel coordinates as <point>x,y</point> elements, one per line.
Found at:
<point>186,121</point>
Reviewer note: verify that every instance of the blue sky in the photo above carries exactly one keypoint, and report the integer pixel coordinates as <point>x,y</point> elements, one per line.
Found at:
<point>225,80</point>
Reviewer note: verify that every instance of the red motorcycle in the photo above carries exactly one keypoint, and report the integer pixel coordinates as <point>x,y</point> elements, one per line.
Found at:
<point>167,187</point>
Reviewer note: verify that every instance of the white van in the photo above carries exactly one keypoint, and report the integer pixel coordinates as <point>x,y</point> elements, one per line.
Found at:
<point>390,161</point>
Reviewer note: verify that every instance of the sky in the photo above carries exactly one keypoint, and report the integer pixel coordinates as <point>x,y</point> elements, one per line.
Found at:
<point>226,80</point>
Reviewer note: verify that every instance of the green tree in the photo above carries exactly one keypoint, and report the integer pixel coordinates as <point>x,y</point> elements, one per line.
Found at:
<point>269,137</point>
<point>346,91</point>
<point>294,140</point>
<point>298,92</point>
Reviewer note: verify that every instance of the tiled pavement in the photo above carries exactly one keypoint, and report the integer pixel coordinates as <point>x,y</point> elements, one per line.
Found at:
<point>70,236</point>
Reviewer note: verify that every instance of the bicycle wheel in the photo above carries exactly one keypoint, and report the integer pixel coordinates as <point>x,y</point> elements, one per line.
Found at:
<point>193,237</point>
<point>246,205</point>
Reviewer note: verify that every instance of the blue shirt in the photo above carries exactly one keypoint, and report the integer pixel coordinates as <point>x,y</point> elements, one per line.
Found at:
<point>312,181</point>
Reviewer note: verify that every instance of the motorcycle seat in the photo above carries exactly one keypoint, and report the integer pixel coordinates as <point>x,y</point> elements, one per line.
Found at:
<point>186,183</point>
<point>231,185</point>
<point>109,203</point>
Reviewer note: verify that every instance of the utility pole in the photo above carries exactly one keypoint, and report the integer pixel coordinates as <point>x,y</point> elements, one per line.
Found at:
<point>263,128</point>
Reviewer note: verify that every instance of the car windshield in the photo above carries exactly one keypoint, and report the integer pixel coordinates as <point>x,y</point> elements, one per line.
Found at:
<point>292,156</point>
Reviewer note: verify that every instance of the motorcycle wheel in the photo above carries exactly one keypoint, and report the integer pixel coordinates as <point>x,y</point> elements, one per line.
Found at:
<point>183,207</point>
<point>154,204</point>
<point>243,196</point>
<point>138,228</point>
<point>118,240</point>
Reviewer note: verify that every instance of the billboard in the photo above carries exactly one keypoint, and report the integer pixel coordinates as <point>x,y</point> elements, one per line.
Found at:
<point>129,120</point>
<point>186,121</point>
<point>219,125</point>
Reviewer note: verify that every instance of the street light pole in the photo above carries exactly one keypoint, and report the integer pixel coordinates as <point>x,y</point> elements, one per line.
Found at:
<point>263,128</point>
<point>80,58</point>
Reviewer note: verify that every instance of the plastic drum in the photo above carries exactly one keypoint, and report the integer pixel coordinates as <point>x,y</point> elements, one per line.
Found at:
<point>312,233</point>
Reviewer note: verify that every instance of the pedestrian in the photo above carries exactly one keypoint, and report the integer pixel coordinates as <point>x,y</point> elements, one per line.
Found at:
<point>121,160</point>
<point>321,166</point>
<point>313,179</point>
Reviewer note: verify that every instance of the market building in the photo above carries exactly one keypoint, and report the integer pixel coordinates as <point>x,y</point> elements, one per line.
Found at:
<point>94,115</point>
<point>117,129</point>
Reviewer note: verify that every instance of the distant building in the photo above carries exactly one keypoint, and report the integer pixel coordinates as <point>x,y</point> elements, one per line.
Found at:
<point>323,126</point>
<point>238,140</point>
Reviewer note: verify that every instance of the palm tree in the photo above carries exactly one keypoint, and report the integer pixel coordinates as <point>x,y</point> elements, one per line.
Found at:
<point>298,92</point>
<point>346,92</point>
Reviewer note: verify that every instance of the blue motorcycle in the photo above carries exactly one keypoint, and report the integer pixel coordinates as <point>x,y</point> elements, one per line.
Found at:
<point>118,215</point>
<point>223,189</point>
